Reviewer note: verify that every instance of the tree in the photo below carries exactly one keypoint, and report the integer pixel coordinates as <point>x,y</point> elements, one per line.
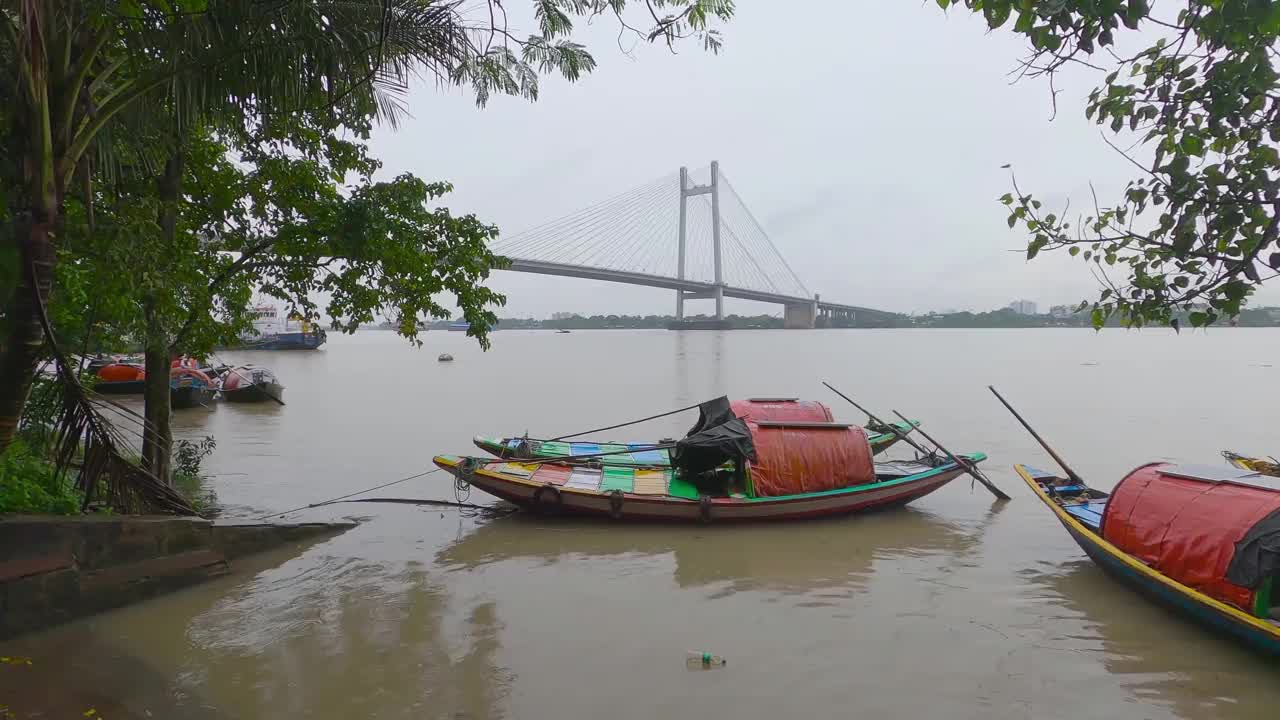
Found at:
<point>246,68</point>
<point>1197,228</point>
<point>76,67</point>
<point>265,213</point>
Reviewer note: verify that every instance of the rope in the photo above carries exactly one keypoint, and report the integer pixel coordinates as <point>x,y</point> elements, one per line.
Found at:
<point>625,424</point>
<point>441,503</point>
<point>344,497</point>
<point>550,459</point>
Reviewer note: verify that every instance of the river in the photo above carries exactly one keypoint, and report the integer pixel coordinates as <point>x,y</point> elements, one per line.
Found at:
<point>952,607</point>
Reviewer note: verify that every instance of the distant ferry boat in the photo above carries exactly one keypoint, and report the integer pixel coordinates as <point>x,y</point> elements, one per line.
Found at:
<point>274,329</point>
<point>463,326</point>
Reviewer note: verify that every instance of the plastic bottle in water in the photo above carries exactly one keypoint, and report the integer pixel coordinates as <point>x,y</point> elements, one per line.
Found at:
<point>704,659</point>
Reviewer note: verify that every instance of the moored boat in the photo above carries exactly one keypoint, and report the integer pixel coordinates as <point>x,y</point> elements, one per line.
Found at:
<point>275,329</point>
<point>190,387</point>
<point>121,379</point>
<point>1202,540</point>
<point>251,384</point>
<point>726,469</point>
<point>881,438</point>
<point>1266,466</point>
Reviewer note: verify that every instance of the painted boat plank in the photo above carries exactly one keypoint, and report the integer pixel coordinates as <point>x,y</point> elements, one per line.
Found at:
<point>618,478</point>
<point>622,458</point>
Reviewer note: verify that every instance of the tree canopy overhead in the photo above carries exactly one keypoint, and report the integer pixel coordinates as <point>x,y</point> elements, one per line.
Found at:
<point>164,158</point>
<point>1197,112</point>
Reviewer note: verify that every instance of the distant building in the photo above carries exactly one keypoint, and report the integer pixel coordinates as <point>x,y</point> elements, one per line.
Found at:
<point>564,316</point>
<point>1023,307</point>
<point>1062,312</point>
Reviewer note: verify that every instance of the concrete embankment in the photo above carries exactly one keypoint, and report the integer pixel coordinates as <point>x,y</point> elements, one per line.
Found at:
<point>54,569</point>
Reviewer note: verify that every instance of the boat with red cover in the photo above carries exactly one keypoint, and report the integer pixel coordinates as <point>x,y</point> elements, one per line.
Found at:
<point>880,437</point>
<point>248,383</point>
<point>189,386</point>
<point>726,468</point>
<point>1203,540</point>
<point>121,379</point>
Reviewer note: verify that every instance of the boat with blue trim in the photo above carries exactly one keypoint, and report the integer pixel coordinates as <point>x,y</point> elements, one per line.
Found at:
<point>1203,540</point>
<point>727,468</point>
<point>880,437</point>
<point>274,329</point>
<point>1193,538</point>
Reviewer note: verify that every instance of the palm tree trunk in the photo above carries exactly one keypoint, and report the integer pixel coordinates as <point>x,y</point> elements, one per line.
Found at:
<point>24,340</point>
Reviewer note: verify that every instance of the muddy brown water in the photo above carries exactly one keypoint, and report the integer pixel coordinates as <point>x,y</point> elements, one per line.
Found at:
<point>952,607</point>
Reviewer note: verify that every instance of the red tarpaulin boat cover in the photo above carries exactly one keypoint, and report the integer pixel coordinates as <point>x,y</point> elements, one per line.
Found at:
<point>1186,529</point>
<point>120,372</point>
<point>793,460</point>
<point>781,410</point>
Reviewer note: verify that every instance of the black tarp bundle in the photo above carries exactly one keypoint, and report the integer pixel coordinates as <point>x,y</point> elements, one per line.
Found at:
<point>1257,554</point>
<point>719,436</point>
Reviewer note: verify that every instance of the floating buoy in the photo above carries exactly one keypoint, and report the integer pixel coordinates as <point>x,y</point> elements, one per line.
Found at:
<point>445,357</point>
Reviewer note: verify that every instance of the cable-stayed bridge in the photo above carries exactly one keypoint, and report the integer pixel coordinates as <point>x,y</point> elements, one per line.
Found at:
<point>689,232</point>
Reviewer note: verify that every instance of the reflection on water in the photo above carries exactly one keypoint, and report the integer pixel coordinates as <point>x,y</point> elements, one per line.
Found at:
<point>789,558</point>
<point>951,607</point>
<point>1163,656</point>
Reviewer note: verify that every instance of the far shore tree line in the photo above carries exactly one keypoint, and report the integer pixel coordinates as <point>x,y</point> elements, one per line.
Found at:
<point>163,162</point>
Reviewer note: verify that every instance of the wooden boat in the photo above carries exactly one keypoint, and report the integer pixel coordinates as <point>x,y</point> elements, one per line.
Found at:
<point>1203,540</point>
<point>121,379</point>
<point>660,495</point>
<point>1266,466</point>
<point>640,453</point>
<point>649,453</point>
<point>190,387</point>
<point>725,469</point>
<point>251,384</point>
<point>1180,535</point>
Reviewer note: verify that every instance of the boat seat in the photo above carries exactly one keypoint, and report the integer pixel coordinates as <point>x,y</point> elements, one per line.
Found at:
<point>1068,489</point>
<point>1088,513</point>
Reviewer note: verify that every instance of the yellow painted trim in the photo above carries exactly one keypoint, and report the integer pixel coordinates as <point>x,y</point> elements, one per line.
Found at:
<point>1134,563</point>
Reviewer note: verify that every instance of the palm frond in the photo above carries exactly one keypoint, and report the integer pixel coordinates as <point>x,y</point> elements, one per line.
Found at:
<point>83,433</point>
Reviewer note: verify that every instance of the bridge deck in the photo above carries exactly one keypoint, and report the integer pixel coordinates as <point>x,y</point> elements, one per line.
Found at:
<point>668,283</point>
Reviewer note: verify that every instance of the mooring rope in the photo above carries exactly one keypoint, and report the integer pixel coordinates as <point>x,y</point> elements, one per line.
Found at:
<point>358,492</point>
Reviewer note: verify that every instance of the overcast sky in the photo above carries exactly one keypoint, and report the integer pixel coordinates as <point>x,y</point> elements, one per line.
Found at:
<point>866,137</point>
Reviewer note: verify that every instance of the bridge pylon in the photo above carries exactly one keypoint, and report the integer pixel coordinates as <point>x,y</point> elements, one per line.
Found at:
<point>687,191</point>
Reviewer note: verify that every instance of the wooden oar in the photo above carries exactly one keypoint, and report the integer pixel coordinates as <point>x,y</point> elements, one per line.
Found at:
<point>968,466</point>
<point>901,435</point>
<point>1056,457</point>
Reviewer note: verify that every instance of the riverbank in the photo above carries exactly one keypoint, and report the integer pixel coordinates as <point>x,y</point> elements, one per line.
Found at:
<point>55,569</point>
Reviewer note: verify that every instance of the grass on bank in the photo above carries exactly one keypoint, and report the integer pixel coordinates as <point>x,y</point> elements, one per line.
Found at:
<point>29,484</point>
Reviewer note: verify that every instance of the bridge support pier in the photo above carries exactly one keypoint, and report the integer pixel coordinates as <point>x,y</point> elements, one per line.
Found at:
<point>800,316</point>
